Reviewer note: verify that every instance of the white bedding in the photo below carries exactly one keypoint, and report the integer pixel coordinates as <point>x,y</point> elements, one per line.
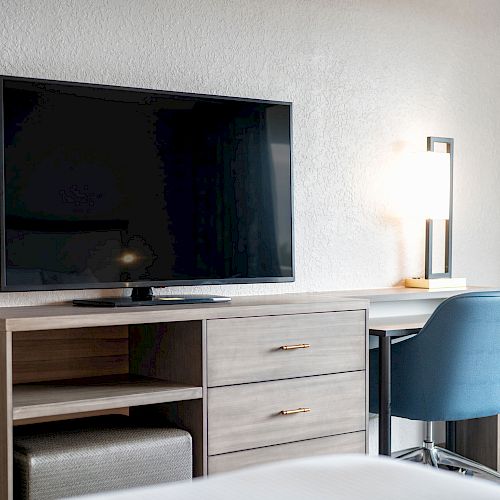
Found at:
<point>338,477</point>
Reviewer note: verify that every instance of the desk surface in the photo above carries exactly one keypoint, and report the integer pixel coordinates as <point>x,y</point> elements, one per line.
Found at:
<point>397,326</point>
<point>399,293</point>
<point>400,325</point>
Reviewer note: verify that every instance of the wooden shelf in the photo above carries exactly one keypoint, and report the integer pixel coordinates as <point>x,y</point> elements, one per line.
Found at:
<point>97,393</point>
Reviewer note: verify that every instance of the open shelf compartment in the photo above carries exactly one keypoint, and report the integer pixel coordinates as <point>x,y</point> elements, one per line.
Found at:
<point>45,399</point>
<point>152,372</point>
<point>85,370</point>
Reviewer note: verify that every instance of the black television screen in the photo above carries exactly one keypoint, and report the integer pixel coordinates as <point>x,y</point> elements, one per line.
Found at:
<point>107,186</point>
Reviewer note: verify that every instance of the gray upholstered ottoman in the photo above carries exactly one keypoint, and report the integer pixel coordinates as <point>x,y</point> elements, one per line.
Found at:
<point>93,455</point>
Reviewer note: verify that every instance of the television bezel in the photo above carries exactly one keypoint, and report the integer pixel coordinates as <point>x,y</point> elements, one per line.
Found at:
<point>132,284</point>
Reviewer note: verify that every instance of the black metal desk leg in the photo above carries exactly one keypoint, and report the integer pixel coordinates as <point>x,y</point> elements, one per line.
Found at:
<point>384,388</point>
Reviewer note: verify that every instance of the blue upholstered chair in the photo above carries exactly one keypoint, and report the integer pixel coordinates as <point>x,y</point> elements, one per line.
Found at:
<point>449,371</point>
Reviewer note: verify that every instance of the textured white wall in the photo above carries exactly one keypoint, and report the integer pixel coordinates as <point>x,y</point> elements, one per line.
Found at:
<point>369,79</point>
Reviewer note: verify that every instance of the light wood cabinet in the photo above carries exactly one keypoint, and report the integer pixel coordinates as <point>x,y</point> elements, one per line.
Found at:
<point>262,414</point>
<point>285,386</point>
<point>353,442</point>
<point>276,347</point>
<point>220,371</point>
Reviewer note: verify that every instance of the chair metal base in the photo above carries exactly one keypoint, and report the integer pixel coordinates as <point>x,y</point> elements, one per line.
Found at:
<point>435,456</point>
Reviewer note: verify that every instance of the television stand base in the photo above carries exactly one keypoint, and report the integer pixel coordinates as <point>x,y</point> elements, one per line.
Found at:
<point>158,300</point>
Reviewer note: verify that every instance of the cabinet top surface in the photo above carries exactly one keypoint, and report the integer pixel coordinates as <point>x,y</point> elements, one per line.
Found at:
<point>68,316</point>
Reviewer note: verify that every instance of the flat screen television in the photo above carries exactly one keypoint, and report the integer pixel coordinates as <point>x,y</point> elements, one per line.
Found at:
<point>109,187</point>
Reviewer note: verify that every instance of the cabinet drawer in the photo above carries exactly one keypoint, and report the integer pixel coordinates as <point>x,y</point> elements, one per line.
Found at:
<point>244,350</point>
<point>353,442</point>
<point>249,416</point>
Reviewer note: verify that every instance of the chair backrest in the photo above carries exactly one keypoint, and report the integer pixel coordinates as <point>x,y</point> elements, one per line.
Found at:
<point>451,370</point>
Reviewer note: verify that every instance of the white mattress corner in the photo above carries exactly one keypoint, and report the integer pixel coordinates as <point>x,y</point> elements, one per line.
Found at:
<point>336,477</point>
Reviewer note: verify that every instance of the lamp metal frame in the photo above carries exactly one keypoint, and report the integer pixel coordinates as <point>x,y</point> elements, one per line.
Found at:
<point>429,274</point>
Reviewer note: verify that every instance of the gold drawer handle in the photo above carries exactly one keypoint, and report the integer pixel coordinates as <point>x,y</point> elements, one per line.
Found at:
<point>293,412</point>
<point>295,346</point>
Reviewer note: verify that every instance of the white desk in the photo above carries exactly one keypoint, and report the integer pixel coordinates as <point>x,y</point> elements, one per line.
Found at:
<point>396,324</point>
<point>402,302</point>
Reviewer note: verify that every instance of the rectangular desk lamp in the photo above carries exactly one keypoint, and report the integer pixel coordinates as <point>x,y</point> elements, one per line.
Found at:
<point>438,207</point>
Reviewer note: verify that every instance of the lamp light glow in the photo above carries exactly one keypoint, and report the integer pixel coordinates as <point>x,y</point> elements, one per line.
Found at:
<point>436,171</point>
<point>128,258</point>
<point>422,184</point>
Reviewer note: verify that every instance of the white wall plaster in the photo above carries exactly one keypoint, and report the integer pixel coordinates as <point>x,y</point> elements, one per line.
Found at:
<point>369,79</point>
